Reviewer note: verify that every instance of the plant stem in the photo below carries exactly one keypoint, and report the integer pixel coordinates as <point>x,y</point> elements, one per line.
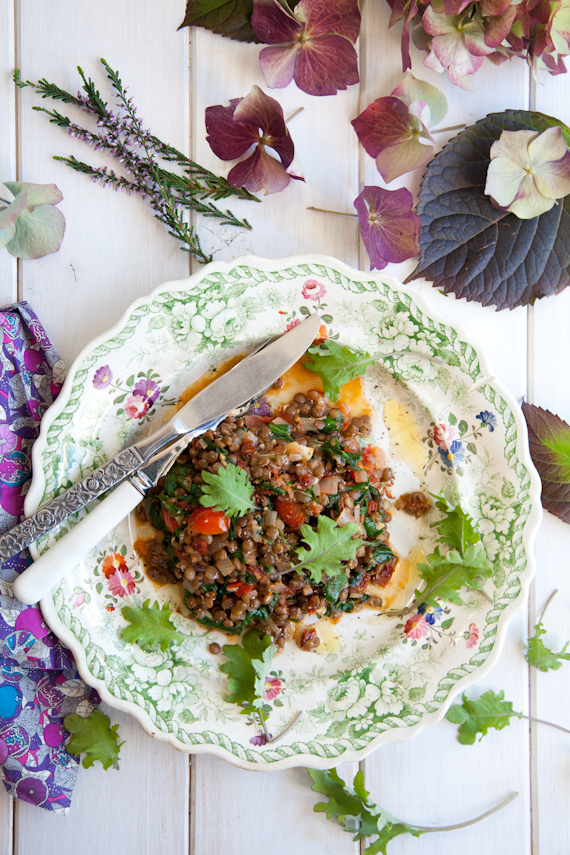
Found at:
<point>553,594</point>
<point>293,114</point>
<point>542,721</point>
<point>487,813</point>
<point>336,213</point>
<point>444,130</point>
<point>286,730</point>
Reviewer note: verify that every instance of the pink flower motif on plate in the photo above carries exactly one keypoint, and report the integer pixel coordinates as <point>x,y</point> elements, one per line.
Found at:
<point>79,600</point>
<point>121,583</point>
<point>472,635</point>
<point>271,689</point>
<point>416,627</point>
<point>291,324</point>
<point>136,406</point>
<point>444,435</point>
<point>313,290</point>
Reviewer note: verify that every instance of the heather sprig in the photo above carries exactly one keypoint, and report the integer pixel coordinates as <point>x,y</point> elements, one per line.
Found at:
<point>143,156</point>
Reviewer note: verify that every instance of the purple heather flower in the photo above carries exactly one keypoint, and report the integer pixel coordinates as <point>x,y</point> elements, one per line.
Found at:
<point>453,455</point>
<point>102,377</point>
<point>147,389</point>
<point>259,739</point>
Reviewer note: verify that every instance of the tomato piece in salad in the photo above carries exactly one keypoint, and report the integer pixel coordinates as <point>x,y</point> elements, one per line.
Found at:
<point>290,512</point>
<point>207,521</point>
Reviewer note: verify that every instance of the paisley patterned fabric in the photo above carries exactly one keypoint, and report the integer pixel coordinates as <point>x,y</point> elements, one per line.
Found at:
<point>38,683</point>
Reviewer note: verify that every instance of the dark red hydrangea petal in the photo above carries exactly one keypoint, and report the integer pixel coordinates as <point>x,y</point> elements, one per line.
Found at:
<point>388,226</point>
<point>499,27</point>
<point>260,171</point>
<point>325,65</point>
<point>326,17</point>
<point>229,139</point>
<point>264,112</point>
<point>272,24</point>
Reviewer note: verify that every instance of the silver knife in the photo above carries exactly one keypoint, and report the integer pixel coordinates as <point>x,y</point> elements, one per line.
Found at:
<point>239,387</point>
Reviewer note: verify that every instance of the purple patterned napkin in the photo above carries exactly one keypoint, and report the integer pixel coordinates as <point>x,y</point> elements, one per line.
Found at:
<point>38,683</point>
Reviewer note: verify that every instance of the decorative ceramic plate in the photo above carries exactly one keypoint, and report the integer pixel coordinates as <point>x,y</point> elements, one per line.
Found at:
<point>374,679</point>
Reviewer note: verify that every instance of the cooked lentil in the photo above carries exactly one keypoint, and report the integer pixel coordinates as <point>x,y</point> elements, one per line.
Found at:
<point>311,458</point>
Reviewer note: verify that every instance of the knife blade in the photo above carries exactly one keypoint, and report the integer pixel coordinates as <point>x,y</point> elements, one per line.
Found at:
<point>238,388</point>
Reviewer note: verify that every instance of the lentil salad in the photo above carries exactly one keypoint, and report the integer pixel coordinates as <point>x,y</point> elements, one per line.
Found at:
<point>309,459</point>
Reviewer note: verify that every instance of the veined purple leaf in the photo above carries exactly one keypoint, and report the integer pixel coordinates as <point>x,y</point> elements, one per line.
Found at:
<point>549,444</point>
<point>256,120</point>
<point>388,226</point>
<point>230,18</point>
<point>312,45</point>
<point>391,135</point>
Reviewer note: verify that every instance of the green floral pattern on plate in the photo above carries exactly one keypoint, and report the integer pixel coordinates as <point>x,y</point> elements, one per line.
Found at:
<point>388,677</point>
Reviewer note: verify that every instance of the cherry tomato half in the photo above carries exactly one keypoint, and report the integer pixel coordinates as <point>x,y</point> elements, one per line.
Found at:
<point>290,512</point>
<point>170,522</point>
<point>240,589</point>
<point>207,521</point>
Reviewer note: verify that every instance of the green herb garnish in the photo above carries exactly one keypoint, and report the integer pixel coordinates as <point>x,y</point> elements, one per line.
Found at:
<point>336,365</point>
<point>329,547</point>
<point>94,736</point>
<point>281,431</point>
<point>538,654</point>
<point>333,450</point>
<point>150,625</point>
<point>229,490</point>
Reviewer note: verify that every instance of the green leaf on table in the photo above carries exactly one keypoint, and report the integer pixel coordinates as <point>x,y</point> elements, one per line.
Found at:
<point>336,365</point>
<point>549,444</point>
<point>247,669</point>
<point>329,547</point>
<point>228,490</point>
<point>94,737</point>
<point>356,812</point>
<point>231,18</point>
<point>477,716</point>
<point>472,249</point>
<point>540,656</point>
<point>150,625</point>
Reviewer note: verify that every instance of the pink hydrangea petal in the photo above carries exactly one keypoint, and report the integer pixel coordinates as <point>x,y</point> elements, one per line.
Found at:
<point>422,112</point>
<point>502,185</point>
<point>529,203</point>
<point>514,145</point>
<point>262,111</point>
<point>228,139</point>
<point>396,160</point>
<point>38,194</point>
<point>461,78</point>
<point>499,27</point>
<point>503,180</point>
<point>432,62</point>
<point>272,24</point>
<point>553,179</point>
<point>495,7</point>
<point>38,232</point>
<point>385,122</point>
<point>325,65</point>
<point>450,49</point>
<point>326,17</point>
<point>260,171</point>
<point>9,215</point>
<point>278,64</point>
<point>454,7</point>
<point>547,147</point>
<point>394,234</point>
<point>438,25</point>
<point>474,38</point>
<point>411,90</point>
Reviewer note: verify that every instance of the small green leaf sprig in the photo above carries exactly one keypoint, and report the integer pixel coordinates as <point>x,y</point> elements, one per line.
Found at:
<point>122,136</point>
<point>357,813</point>
<point>95,737</point>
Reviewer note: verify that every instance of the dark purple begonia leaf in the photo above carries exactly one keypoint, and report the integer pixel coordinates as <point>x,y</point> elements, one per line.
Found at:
<point>313,46</point>
<point>388,226</point>
<point>549,445</point>
<point>391,135</point>
<point>230,18</point>
<point>256,120</point>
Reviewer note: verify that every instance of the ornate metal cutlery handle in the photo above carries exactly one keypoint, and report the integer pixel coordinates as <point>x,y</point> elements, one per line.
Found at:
<point>57,511</point>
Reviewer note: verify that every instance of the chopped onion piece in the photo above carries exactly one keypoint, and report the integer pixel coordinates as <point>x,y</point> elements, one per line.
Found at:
<point>329,485</point>
<point>360,476</point>
<point>345,517</point>
<point>226,566</point>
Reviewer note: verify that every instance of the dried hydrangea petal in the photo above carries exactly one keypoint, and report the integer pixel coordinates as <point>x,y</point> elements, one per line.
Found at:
<point>388,226</point>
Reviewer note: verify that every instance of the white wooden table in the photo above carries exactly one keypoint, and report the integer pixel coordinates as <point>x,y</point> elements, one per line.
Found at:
<point>114,251</point>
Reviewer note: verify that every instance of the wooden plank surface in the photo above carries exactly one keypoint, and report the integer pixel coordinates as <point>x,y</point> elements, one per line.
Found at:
<point>549,360</point>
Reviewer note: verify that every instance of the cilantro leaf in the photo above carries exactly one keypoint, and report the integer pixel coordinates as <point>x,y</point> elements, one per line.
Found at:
<point>281,431</point>
<point>477,716</point>
<point>150,625</point>
<point>229,490</point>
<point>540,656</point>
<point>94,737</point>
<point>336,365</point>
<point>445,575</point>
<point>247,669</point>
<point>354,803</point>
<point>328,547</point>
